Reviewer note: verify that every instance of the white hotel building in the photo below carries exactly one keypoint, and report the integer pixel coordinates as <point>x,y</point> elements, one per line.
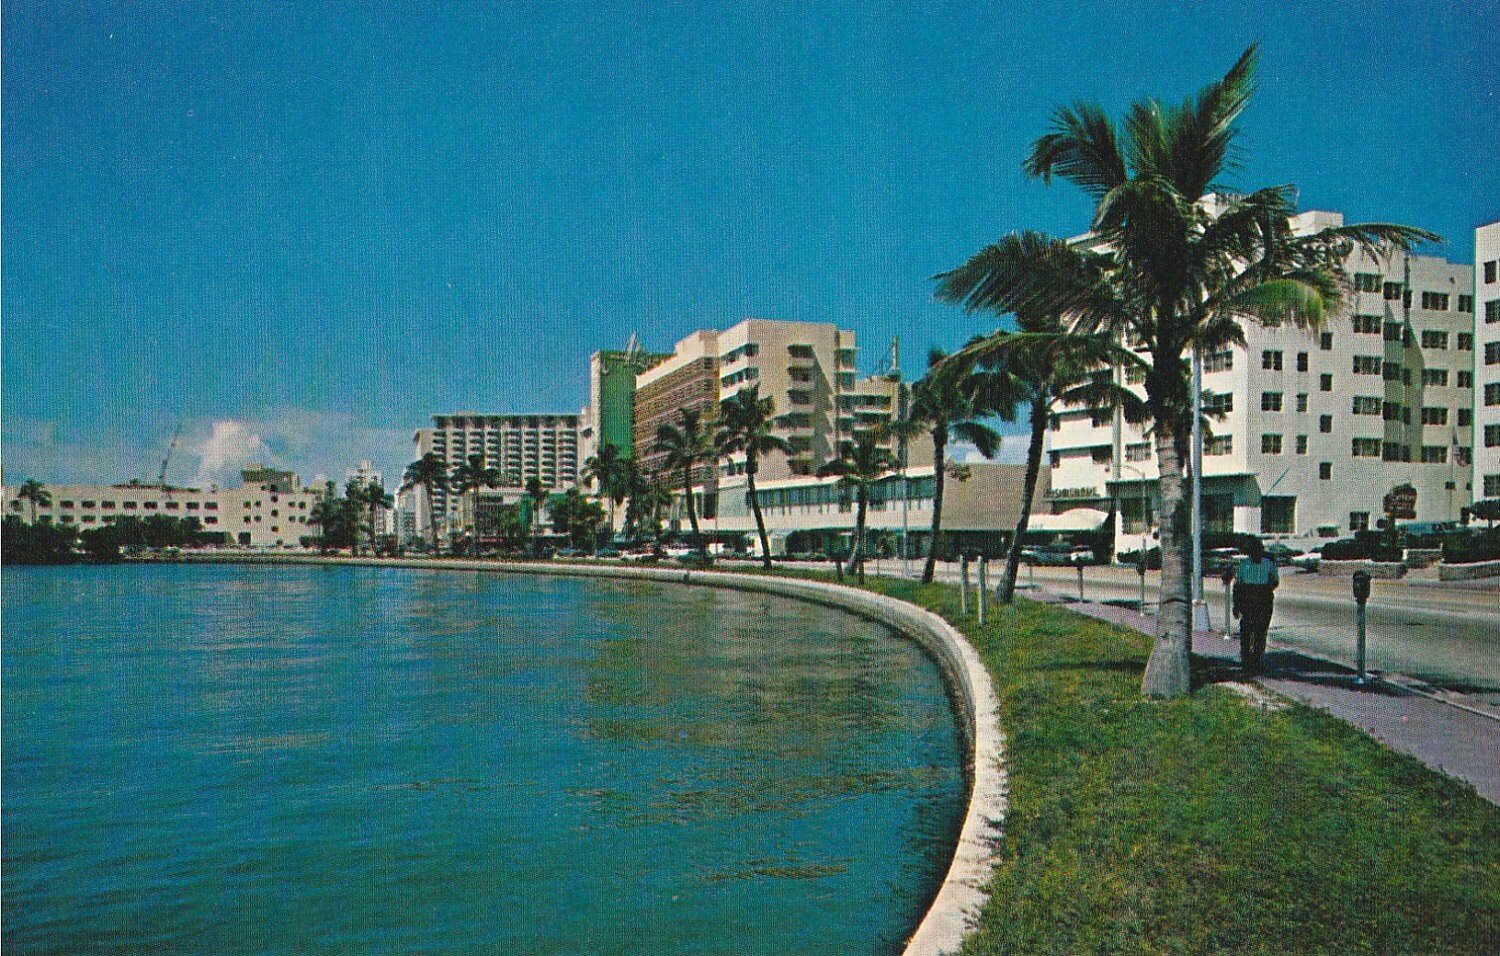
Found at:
<point>1487,361</point>
<point>1317,426</point>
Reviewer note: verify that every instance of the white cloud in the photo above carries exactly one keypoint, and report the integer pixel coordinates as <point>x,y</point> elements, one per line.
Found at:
<point>1012,451</point>
<point>229,445</point>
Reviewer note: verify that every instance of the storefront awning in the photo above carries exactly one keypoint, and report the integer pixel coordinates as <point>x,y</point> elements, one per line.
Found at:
<point>1078,519</point>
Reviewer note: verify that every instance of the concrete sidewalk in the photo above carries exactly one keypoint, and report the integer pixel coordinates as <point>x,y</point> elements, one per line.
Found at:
<point>1451,736</point>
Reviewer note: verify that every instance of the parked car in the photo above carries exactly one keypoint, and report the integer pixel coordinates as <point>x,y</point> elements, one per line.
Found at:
<point>1309,560</point>
<point>1059,555</point>
<point>1281,554</point>
<point>1220,560</point>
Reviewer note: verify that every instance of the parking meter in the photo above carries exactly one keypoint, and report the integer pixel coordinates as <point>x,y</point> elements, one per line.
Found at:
<point>1228,578</point>
<point>1361,595</point>
<point>1361,587</point>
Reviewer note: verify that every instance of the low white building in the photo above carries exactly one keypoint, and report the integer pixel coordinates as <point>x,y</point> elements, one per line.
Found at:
<point>270,508</point>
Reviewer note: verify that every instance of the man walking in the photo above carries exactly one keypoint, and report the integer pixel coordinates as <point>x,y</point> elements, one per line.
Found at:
<point>1255,583</point>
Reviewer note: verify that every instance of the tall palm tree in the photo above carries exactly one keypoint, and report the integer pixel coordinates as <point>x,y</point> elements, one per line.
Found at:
<point>538,495</point>
<point>606,469</point>
<point>943,406</point>
<point>374,497</point>
<point>863,463</point>
<point>747,427</point>
<point>1033,371</point>
<point>473,474</point>
<point>36,493</point>
<point>429,472</point>
<point>1173,272</point>
<point>687,445</point>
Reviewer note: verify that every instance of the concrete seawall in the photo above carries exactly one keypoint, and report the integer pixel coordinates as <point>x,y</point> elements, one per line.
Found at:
<point>962,892</point>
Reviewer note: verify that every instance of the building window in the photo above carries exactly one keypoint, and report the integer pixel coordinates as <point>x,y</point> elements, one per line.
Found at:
<point>1367,282</point>
<point>1462,456</point>
<point>1434,340</point>
<point>1492,312</point>
<point>1392,411</point>
<point>130,506</point>
<point>1325,470</point>
<point>1466,304</point>
<point>1392,371</point>
<point>1301,361</point>
<point>1301,444</point>
<point>1218,403</point>
<point>1435,301</point>
<point>1325,382</point>
<point>1465,378</point>
<point>1367,324</point>
<point>1492,486</point>
<point>1492,436</point>
<point>1359,521</point>
<point>1489,272</point>
<point>1466,341</point>
<point>1434,415</point>
<point>1301,401</point>
<point>1278,514</point>
<point>1367,365</point>
<point>1270,444</point>
<point>1366,405</point>
<point>1325,341</point>
<point>1219,445</point>
<point>1465,417</point>
<point>1218,361</point>
<point>1366,448</point>
<point>1271,360</point>
<point>1392,291</point>
<point>1325,424</point>
<point>1434,454</point>
<point>1435,376</point>
<point>1270,401</point>
<point>800,351</point>
<point>1140,451</point>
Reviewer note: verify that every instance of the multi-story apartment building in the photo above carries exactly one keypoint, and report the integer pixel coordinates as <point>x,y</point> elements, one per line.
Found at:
<point>1311,428</point>
<point>519,446</point>
<point>270,508</point>
<point>1486,299</point>
<point>687,380</point>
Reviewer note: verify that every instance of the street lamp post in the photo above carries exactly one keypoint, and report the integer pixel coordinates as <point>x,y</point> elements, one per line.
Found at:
<point>1145,531</point>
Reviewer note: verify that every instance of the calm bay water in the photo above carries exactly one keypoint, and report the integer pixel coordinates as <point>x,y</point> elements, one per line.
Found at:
<point>300,760</point>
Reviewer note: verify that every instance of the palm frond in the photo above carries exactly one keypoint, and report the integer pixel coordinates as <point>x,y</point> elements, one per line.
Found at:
<point>1082,148</point>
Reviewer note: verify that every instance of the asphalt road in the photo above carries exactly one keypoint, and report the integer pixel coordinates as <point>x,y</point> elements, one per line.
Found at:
<point>1447,636</point>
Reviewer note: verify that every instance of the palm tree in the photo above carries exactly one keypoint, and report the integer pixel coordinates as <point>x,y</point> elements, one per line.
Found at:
<point>1033,371</point>
<point>428,472</point>
<point>686,445</point>
<point>472,475</point>
<point>1174,273</point>
<point>325,514</point>
<point>374,497</point>
<point>606,469</point>
<point>36,493</point>
<point>862,465</point>
<point>747,428</point>
<point>538,495</point>
<point>945,407</point>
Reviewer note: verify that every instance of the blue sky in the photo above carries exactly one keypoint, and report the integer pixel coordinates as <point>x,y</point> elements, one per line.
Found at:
<point>298,230</point>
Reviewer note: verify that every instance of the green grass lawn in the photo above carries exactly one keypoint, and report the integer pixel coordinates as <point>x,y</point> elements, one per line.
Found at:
<point>1208,825</point>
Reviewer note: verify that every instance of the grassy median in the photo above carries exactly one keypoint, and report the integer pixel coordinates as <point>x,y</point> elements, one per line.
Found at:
<point>1209,825</point>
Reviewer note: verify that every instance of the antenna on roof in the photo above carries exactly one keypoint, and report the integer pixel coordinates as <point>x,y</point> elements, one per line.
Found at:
<point>161,477</point>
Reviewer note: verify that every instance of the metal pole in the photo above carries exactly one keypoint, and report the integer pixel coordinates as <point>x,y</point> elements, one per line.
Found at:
<point>1080,582</point>
<point>1200,609</point>
<point>1228,605</point>
<point>982,594</point>
<point>1140,567</point>
<point>963,585</point>
<point>1360,651</point>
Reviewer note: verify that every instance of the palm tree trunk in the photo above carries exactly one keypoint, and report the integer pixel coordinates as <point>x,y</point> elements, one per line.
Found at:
<point>1028,491</point>
<point>760,521</point>
<point>687,493</point>
<point>1168,671</point>
<point>431,521</point>
<point>939,478</point>
<point>856,556</point>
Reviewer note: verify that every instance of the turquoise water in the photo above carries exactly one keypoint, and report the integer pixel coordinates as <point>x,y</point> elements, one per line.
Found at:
<point>269,759</point>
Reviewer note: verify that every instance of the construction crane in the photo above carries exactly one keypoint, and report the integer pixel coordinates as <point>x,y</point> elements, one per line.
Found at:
<point>161,477</point>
